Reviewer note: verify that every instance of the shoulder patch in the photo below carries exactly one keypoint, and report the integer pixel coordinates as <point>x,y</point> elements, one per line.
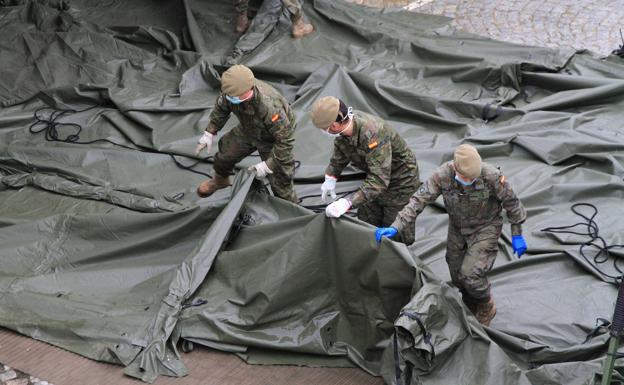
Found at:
<point>275,118</point>
<point>502,178</point>
<point>373,144</point>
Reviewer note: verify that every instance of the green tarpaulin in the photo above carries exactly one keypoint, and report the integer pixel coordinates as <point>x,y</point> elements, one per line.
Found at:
<point>105,249</point>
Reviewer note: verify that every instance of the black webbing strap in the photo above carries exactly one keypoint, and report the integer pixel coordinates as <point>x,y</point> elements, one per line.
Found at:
<point>425,334</point>
<point>426,337</point>
<point>600,324</point>
<point>397,367</point>
<point>486,113</point>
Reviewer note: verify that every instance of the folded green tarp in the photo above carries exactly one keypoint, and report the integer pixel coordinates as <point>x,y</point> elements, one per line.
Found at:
<point>107,251</point>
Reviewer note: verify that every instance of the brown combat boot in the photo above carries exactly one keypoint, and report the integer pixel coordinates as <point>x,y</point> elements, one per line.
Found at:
<point>300,28</point>
<point>242,23</point>
<point>485,311</point>
<point>208,187</point>
<point>471,306</point>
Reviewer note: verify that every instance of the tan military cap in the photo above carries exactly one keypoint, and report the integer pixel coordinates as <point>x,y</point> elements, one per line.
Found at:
<point>467,161</point>
<point>325,111</point>
<point>237,80</point>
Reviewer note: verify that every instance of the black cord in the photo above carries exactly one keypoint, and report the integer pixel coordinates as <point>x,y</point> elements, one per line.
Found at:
<point>321,208</point>
<point>602,255</point>
<point>190,168</point>
<point>51,128</point>
<point>620,50</point>
<point>50,124</point>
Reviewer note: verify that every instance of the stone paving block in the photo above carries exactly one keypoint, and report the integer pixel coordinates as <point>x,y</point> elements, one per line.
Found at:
<point>7,375</point>
<point>579,24</point>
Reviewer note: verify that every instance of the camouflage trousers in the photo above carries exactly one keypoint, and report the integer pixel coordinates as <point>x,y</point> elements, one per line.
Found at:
<point>292,6</point>
<point>470,257</point>
<point>234,146</point>
<point>382,211</point>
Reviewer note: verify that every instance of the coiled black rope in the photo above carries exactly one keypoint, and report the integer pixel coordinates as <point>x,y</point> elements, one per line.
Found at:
<point>591,230</point>
<point>51,128</point>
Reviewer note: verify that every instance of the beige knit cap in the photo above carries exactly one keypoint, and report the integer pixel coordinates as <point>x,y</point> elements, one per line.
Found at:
<point>467,161</point>
<point>325,111</point>
<point>237,80</point>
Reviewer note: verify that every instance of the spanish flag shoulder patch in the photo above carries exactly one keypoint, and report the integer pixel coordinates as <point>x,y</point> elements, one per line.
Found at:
<point>275,118</point>
<point>372,145</point>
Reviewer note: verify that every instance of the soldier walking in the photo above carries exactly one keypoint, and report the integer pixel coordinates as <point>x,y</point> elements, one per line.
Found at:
<point>475,193</point>
<point>299,27</point>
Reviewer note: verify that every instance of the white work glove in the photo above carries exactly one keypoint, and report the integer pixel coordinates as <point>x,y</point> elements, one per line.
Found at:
<point>204,142</point>
<point>261,169</point>
<point>329,186</point>
<point>338,208</point>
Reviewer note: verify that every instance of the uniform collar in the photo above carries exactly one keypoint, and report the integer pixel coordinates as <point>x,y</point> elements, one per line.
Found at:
<point>256,96</point>
<point>479,184</point>
<point>354,139</point>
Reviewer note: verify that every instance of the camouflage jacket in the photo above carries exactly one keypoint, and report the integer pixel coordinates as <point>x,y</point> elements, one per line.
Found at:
<point>468,207</point>
<point>266,118</point>
<point>378,150</point>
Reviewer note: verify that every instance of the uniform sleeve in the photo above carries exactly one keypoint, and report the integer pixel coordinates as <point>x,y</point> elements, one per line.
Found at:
<point>379,163</point>
<point>283,133</point>
<point>426,194</point>
<point>219,115</point>
<point>338,161</point>
<point>511,204</point>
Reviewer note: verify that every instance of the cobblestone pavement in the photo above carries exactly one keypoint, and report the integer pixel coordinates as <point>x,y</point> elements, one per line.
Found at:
<point>9,376</point>
<point>579,24</point>
<point>590,24</point>
<point>382,3</point>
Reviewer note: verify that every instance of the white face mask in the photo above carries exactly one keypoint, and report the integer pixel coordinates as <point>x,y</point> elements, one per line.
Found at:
<point>350,117</point>
<point>463,182</point>
<point>236,99</point>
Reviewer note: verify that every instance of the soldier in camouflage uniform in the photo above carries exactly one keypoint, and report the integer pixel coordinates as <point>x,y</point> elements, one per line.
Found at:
<point>266,124</point>
<point>299,27</point>
<point>474,194</point>
<point>369,144</point>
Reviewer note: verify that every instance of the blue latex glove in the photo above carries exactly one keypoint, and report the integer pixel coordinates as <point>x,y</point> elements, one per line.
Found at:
<point>519,245</point>
<point>385,232</point>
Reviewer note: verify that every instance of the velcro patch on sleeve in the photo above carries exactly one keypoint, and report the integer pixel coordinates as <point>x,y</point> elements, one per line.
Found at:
<point>372,145</point>
<point>275,118</point>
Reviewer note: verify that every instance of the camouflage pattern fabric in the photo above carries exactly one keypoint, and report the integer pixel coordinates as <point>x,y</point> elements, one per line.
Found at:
<point>266,124</point>
<point>293,7</point>
<point>469,207</point>
<point>475,222</point>
<point>390,167</point>
<point>470,257</point>
<point>382,211</point>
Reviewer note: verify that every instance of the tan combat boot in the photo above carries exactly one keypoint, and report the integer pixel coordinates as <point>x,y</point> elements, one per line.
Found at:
<point>300,28</point>
<point>485,311</point>
<point>242,23</point>
<point>208,187</point>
